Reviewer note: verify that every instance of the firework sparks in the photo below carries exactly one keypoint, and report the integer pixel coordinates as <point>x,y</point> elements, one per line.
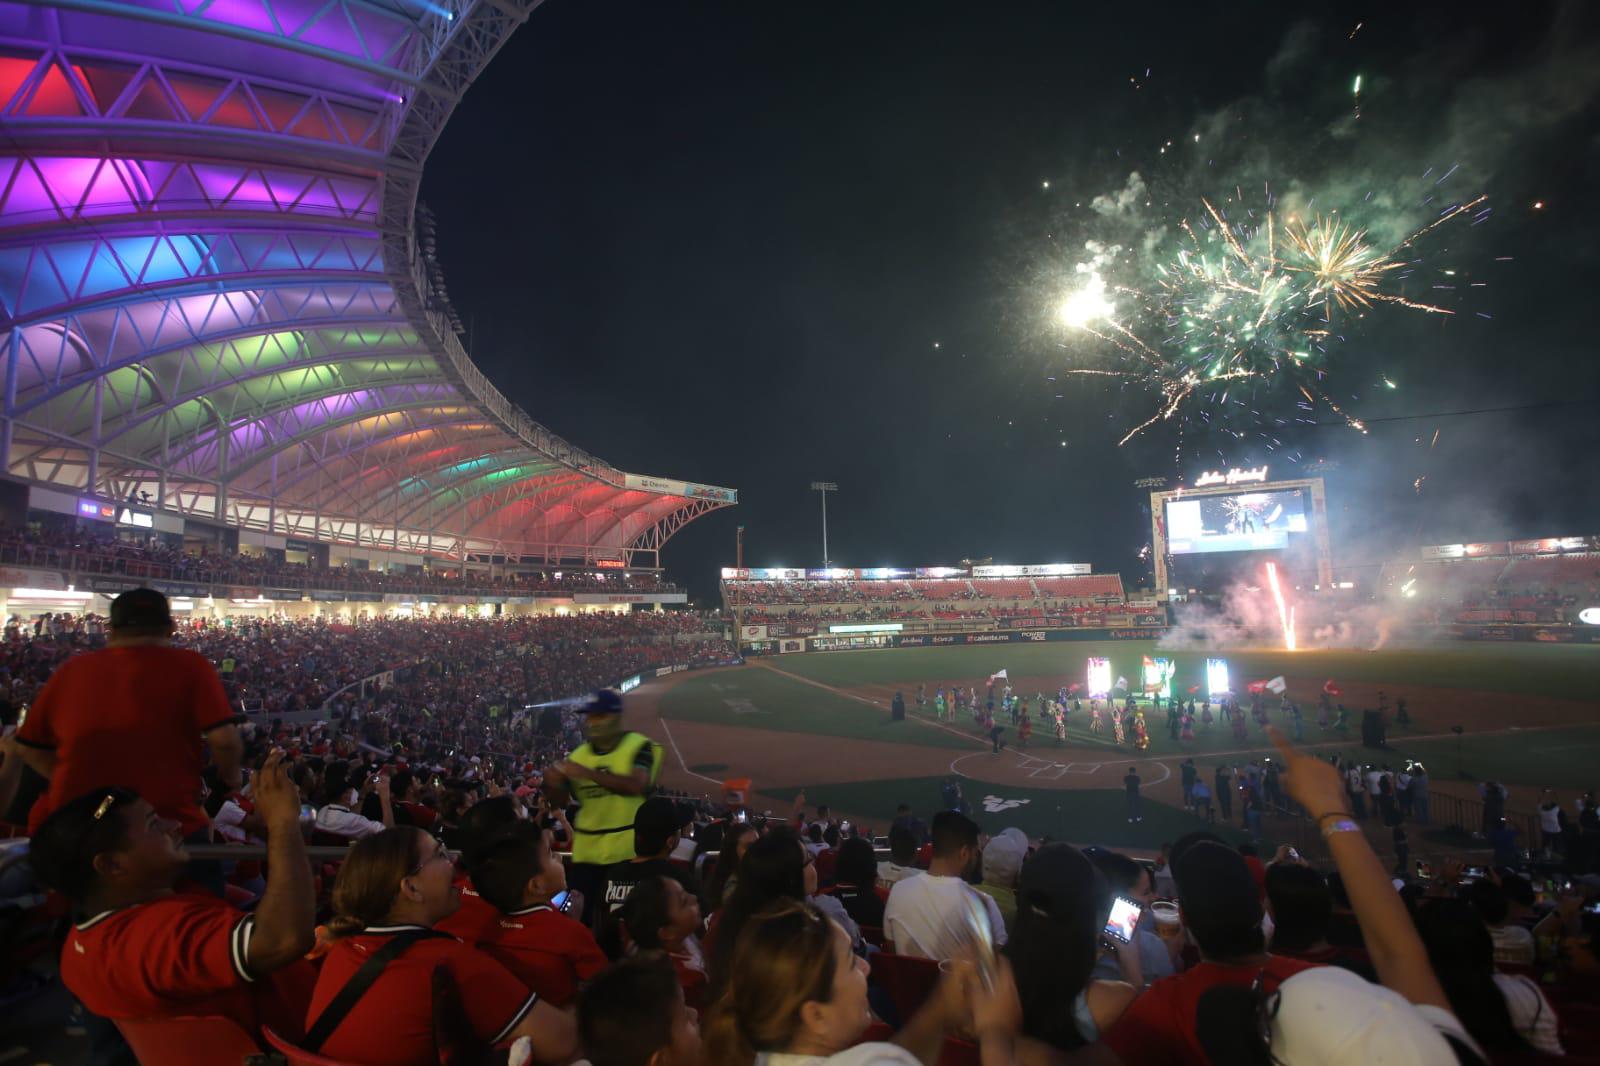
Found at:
<point>1248,301</point>
<point>1285,613</point>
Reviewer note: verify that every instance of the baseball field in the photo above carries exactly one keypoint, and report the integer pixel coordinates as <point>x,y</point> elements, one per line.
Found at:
<point>1528,715</point>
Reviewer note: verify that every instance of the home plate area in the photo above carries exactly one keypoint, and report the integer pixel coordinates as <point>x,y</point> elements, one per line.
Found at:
<point>1050,770</point>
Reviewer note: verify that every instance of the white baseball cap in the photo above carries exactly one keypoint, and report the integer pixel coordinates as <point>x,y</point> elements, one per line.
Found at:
<point>1328,1015</point>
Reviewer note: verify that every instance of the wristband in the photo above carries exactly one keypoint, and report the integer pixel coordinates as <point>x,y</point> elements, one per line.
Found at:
<point>1343,826</point>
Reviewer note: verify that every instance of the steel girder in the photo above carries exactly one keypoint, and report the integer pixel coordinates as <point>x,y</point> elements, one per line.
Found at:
<point>212,291</point>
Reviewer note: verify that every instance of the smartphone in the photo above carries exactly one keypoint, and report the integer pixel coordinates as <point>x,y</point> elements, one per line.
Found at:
<point>1472,872</point>
<point>1124,919</point>
<point>560,900</point>
<point>1424,872</point>
<point>308,813</point>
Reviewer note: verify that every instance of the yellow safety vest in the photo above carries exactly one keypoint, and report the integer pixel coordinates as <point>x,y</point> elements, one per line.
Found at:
<point>604,830</point>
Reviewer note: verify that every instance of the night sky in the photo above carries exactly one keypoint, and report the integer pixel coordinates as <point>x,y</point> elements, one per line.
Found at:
<point>756,245</point>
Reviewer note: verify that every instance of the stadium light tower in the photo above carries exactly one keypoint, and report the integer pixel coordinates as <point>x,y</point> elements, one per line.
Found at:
<point>825,487</point>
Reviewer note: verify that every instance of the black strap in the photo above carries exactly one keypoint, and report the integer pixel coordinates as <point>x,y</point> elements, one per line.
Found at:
<point>358,985</point>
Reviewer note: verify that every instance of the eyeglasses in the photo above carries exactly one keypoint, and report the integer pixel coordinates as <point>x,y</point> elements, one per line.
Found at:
<point>439,852</point>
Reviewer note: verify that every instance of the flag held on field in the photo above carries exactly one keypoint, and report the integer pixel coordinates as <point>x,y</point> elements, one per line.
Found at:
<point>1193,689</point>
<point>1000,675</point>
<point>1122,683</point>
<point>1075,686</point>
<point>1331,689</point>
<point>1257,687</point>
<point>1277,685</point>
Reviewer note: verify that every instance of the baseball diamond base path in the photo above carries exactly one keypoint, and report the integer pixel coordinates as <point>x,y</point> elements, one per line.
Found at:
<point>787,731</point>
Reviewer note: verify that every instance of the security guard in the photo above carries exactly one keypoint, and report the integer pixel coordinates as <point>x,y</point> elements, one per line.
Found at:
<point>609,778</point>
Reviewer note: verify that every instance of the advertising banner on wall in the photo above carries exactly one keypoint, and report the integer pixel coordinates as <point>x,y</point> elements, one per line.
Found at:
<point>21,577</point>
<point>752,632</point>
<point>666,486</point>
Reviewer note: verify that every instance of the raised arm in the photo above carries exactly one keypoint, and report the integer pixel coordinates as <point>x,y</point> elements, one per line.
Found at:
<point>1391,937</point>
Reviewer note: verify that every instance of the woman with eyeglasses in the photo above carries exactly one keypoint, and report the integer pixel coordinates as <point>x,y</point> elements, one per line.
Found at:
<point>392,889</point>
<point>797,996</point>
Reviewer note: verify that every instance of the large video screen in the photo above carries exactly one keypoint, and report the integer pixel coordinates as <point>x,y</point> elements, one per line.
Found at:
<point>1242,522</point>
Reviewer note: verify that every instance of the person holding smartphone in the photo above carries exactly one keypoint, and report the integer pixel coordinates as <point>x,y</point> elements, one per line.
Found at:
<point>1064,923</point>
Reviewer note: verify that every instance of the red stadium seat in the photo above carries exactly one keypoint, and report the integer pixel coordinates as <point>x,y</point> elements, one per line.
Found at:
<point>199,1041</point>
<point>907,979</point>
<point>298,1056</point>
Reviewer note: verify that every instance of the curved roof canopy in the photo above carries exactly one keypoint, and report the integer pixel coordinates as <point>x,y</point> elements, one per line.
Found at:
<point>216,298</point>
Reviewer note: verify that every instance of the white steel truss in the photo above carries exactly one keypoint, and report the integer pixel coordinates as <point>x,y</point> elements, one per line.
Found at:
<point>213,295</point>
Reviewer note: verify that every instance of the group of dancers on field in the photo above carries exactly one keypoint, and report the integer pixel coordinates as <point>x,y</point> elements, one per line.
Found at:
<point>1127,717</point>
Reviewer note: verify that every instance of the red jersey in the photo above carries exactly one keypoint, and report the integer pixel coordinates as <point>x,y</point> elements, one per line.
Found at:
<point>132,717</point>
<point>549,952</point>
<point>1159,1025</point>
<point>475,920</point>
<point>392,1025</point>
<point>179,955</point>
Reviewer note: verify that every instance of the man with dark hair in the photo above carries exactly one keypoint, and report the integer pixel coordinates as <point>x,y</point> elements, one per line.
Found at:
<point>634,1015</point>
<point>1301,907</point>
<point>1220,908</point>
<point>138,713</point>
<point>655,835</point>
<point>144,950</point>
<point>1513,942</point>
<point>932,916</point>
<point>902,861</point>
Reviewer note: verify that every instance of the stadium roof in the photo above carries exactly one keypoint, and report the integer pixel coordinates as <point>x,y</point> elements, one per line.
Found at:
<point>218,290</point>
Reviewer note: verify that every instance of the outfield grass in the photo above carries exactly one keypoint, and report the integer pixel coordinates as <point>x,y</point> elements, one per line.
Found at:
<point>1562,671</point>
<point>1099,815</point>
<point>1561,758</point>
<point>754,698</point>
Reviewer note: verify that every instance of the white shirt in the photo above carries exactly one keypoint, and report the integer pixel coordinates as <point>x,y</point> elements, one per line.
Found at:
<point>343,822</point>
<point>890,872</point>
<point>1513,944</point>
<point>1531,1013</point>
<point>229,823</point>
<point>1374,782</point>
<point>926,916</point>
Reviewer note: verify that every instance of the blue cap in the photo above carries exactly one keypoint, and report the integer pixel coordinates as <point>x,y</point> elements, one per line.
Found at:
<point>602,701</point>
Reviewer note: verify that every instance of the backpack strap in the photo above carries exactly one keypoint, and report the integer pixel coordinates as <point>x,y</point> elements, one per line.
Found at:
<point>359,983</point>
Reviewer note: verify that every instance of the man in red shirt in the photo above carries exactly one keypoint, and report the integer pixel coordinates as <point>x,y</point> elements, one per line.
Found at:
<point>133,715</point>
<point>1219,905</point>
<point>143,950</point>
<point>548,951</point>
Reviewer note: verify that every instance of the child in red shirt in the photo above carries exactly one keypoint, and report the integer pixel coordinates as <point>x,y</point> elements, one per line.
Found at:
<point>518,873</point>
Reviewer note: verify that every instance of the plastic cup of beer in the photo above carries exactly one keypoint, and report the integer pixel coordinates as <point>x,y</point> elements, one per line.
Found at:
<point>1168,925</point>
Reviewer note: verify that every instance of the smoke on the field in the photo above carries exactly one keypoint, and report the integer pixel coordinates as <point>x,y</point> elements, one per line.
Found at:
<point>1248,618</point>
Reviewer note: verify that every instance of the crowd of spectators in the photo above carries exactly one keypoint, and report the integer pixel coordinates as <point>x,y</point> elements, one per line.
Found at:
<point>151,558</point>
<point>1550,589</point>
<point>1057,592</point>
<point>787,936</point>
<point>454,667</point>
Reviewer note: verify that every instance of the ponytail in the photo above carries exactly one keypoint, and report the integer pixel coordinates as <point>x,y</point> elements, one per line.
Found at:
<point>368,881</point>
<point>723,1041</point>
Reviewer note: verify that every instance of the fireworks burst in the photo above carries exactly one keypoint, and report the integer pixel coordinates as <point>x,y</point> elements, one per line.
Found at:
<point>1247,302</point>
